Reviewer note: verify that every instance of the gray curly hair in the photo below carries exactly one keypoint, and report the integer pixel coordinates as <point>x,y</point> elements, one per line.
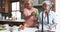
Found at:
<point>48,3</point>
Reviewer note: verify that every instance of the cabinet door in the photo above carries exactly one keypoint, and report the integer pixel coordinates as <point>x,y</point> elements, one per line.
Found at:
<point>6,6</point>
<point>0,3</point>
<point>21,5</point>
<point>2,6</point>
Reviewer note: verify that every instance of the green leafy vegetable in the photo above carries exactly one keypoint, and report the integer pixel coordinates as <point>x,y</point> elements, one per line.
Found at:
<point>2,28</point>
<point>36,14</point>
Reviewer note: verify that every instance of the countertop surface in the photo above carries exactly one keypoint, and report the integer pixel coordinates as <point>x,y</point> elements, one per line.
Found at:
<point>22,20</point>
<point>27,30</point>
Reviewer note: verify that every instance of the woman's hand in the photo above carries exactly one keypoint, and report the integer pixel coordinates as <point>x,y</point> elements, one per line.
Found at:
<point>32,13</point>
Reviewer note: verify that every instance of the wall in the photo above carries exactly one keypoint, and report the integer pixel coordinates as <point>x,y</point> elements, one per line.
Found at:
<point>58,15</point>
<point>39,8</point>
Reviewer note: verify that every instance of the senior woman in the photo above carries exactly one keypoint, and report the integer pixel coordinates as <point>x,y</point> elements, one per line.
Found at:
<point>29,12</point>
<point>48,16</point>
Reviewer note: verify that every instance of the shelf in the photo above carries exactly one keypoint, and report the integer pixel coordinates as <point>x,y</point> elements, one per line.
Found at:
<point>12,22</point>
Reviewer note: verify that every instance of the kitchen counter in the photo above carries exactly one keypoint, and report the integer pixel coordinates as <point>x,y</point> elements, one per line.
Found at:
<point>26,30</point>
<point>29,30</point>
<point>12,22</point>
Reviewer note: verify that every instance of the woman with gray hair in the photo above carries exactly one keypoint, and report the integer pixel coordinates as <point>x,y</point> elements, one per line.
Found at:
<point>29,14</point>
<point>47,17</point>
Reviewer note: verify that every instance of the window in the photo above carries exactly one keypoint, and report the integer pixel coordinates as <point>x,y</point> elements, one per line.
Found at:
<point>15,6</point>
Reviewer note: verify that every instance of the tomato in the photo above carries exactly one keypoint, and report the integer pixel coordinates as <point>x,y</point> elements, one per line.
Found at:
<point>22,27</point>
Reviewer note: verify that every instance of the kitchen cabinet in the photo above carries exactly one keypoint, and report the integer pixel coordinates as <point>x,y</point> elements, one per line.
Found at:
<point>21,5</point>
<point>3,6</point>
<point>8,8</point>
<point>2,3</point>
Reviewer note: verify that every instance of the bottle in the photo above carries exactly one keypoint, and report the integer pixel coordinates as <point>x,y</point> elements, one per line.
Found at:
<point>3,17</point>
<point>6,17</point>
<point>0,16</point>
